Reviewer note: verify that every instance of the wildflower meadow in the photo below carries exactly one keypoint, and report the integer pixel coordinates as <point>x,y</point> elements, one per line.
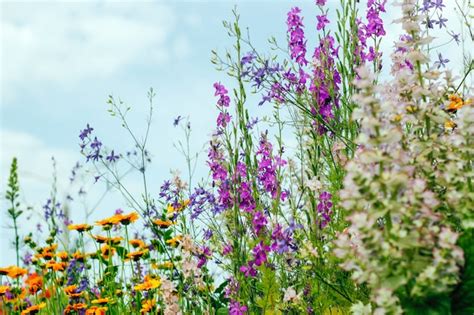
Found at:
<point>338,180</point>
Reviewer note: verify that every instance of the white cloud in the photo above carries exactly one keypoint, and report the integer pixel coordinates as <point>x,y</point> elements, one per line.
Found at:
<point>67,42</point>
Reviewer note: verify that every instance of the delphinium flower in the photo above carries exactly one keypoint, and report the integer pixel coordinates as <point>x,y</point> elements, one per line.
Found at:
<point>297,41</point>
<point>202,199</point>
<point>259,222</point>
<point>268,166</point>
<point>224,101</point>
<point>235,308</point>
<point>282,240</point>
<point>325,80</point>
<point>373,29</point>
<point>322,21</point>
<point>324,209</point>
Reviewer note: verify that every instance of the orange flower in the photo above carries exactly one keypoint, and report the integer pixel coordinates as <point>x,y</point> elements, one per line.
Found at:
<point>13,271</point>
<point>449,125</point>
<point>163,224</point>
<point>129,218</point>
<point>33,309</point>
<point>171,209</point>
<point>79,227</point>
<point>62,255</point>
<point>137,254</point>
<point>137,243</point>
<point>79,306</point>
<point>34,282</point>
<point>108,222</point>
<point>147,306</point>
<point>4,289</point>
<point>47,253</point>
<point>107,251</point>
<point>71,291</point>
<point>101,301</point>
<point>174,241</point>
<point>113,240</point>
<point>56,266</point>
<point>96,310</point>
<point>149,284</point>
<point>455,103</point>
<point>79,256</point>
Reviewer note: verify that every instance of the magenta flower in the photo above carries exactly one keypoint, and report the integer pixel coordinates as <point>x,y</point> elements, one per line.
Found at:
<point>324,209</point>
<point>259,221</point>
<point>223,119</point>
<point>297,42</point>
<point>221,91</point>
<point>260,253</point>
<point>235,308</point>
<point>227,249</point>
<point>247,203</point>
<point>320,2</point>
<point>322,22</point>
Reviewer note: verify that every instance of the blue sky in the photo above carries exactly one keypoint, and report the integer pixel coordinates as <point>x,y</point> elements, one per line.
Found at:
<point>60,60</point>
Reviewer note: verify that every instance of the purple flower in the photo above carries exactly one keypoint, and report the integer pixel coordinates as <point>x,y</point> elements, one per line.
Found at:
<point>177,120</point>
<point>223,119</point>
<point>221,91</point>
<point>112,157</point>
<point>438,4</point>
<point>86,132</point>
<point>297,42</point>
<point>247,59</point>
<point>247,203</point>
<point>259,221</point>
<point>260,253</point>
<point>208,234</point>
<point>322,21</point>
<point>248,270</point>
<point>455,37</point>
<point>441,62</point>
<point>320,2</point>
<point>324,209</point>
<point>235,308</point>
<point>227,249</point>
<point>441,22</point>
<point>27,259</point>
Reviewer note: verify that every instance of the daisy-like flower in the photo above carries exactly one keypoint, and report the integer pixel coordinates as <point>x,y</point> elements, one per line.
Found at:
<point>137,254</point>
<point>96,310</point>
<point>163,224</point>
<point>79,256</point>
<point>150,283</point>
<point>107,251</point>
<point>455,103</point>
<point>136,243</point>
<point>34,282</point>
<point>79,227</point>
<point>101,301</point>
<point>105,240</point>
<point>56,266</point>
<point>13,271</point>
<point>107,223</point>
<point>174,241</point>
<point>33,309</point>
<point>62,255</point>
<point>129,218</point>
<point>4,289</point>
<point>147,306</point>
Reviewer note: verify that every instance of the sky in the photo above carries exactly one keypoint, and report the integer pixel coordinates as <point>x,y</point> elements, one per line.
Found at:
<point>61,59</point>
